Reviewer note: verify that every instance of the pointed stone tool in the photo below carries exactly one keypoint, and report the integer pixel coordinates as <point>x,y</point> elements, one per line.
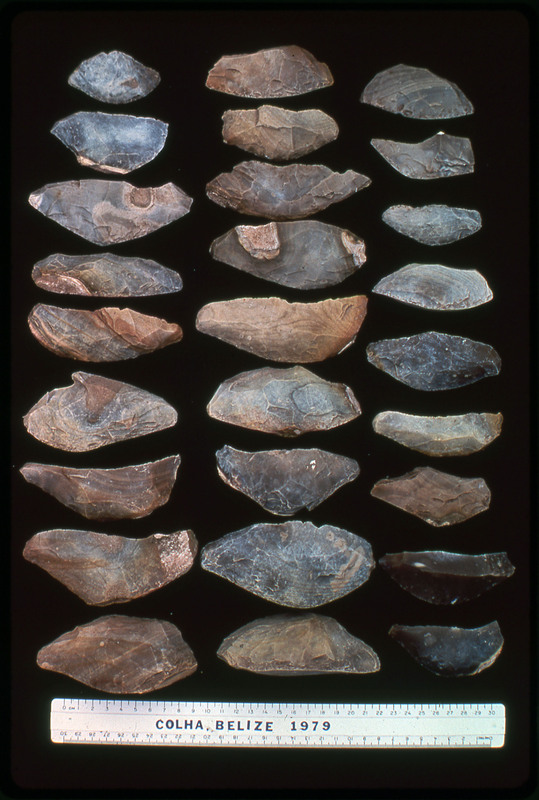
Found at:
<point>449,651</point>
<point>120,493</point>
<point>96,411</point>
<point>103,569</point>
<point>293,563</point>
<point>417,93</point>
<point>107,334</point>
<point>280,193</point>
<point>105,275</point>
<point>433,225</point>
<point>436,287</point>
<point>308,644</point>
<point>285,481</point>
<point>121,655</point>
<point>458,435</point>
<point>434,361</point>
<point>287,402</point>
<point>114,77</point>
<point>110,212</point>
<point>445,578</point>
<point>275,329</point>
<point>276,72</point>
<point>114,143</point>
<point>441,156</point>
<point>303,255</point>
<point>435,497</point>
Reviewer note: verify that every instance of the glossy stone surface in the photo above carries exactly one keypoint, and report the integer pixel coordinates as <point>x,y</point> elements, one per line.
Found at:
<point>436,287</point>
<point>103,569</point>
<point>278,133</point>
<point>114,77</point>
<point>105,275</point>
<point>110,212</point>
<point>275,329</point>
<point>285,481</point>
<point>307,644</point>
<point>276,72</point>
<point>434,361</point>
<point>434,224</point>
<point>451,652</point>
<point>280,193</point>
<point>96,411</point>
<point>441,156</point>
<point>121,655</point>
<point>417,93</point>
<point>303,255</point>
<point>445,578</point>
<point>287,402</point>
<point>457,435</point>
<point>113,143</point>
<point>292,563</point>
<point>120,493</point>
<point>107,334</point>
<point>435,497</point>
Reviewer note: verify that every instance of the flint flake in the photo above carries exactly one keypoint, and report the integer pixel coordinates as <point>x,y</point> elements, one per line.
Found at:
<point>114,77</point>
<point>453,435</point>
<point>441,156</point>
<point>436,287</point>
<point>434,224</point>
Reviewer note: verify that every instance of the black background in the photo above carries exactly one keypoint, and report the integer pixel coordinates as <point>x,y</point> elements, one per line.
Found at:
<point>486,53</point>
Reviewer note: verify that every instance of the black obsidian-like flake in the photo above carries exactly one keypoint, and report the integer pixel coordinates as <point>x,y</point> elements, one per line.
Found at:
<point>285,481</point>
<point>447,578</point>
<point>451,652</point>
<point>434,361</point>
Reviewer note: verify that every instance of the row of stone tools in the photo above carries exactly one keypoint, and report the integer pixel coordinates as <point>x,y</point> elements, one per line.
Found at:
<point>293,564</point>
<point>436,361</point>
<point>114,653</point>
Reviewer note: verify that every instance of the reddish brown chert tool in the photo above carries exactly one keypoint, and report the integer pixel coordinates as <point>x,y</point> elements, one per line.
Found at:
<point>308,644</point>
<point>287,402</point>
<point>121,493</point>
<point>108,334</point>
<point>275,329</point>
<point>103,569</point>
<point>96,411</point>
<point>435,497</point>
<point>277,72</point>
<point>121,655</point>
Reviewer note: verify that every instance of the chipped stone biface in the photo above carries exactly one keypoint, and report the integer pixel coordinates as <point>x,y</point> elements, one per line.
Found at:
<point>121,655</point>
<point>110,212</point>
<point>435,497</point>
<point>445,578</point>
<point>103,569</point>
<point>293,563</point>
<point>122,493</point>
<point>436,287</point>
<point>114,143</point>
<point>280,331</point>
<point>434,224</point>
<point>280,193</point>
<point>441,156</point>
<point>434,361</point>
<point>96,411</point>
<point>451,652</point>
<point>285,481</point>
<point>114,77</point>
<point>278,133</point>
<point>458,435</point>
<point>108,334</point>
<point>277,72</point>
<point>105,275</point>
<point>307,644</point>
<point>303,255</point>
<point>417,93</point>
<point>287,402</point>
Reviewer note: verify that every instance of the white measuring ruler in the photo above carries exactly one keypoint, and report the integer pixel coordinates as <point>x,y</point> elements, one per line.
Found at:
<point>244,724</point>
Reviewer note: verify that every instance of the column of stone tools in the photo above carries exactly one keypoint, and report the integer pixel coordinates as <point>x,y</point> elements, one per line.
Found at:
<point>430,362</point>
<point>114,653</point>
<point>293,564</point>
